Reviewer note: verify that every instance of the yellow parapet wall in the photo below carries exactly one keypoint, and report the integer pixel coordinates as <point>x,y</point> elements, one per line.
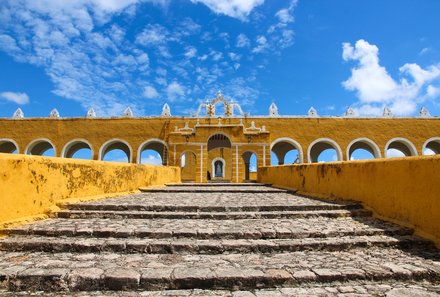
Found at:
<point>403,190</point>
<point>32,185</point>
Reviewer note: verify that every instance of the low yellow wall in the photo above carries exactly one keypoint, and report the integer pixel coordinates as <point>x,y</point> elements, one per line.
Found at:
<point>32,185</point>
<point>403,190</point>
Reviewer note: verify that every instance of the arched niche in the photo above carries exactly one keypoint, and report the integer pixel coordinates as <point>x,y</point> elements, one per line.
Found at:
<point>363,144</point>
<point>319,146</point>
<point>115,144</point>
<point>218,167</point>
<point>282,146</point>
<point>41,147</point>
<point>8,146</point>
<point>156,145</point>
<point>75,146</point>
<point>402,145</point>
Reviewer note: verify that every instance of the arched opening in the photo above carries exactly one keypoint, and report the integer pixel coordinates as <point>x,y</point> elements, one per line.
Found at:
<point>285,151</point>
<point>250,165</point>
<point>115,150</point>
<point>8,146</point>
<point>154,152</point>
<point>78,149</point>
<point>400,147</point>
<point>220,157</point>
<point>324,150</point>
<point>188,165</point>
<point>362,149</point>
<point>41,147</point>
<point>431,146</point>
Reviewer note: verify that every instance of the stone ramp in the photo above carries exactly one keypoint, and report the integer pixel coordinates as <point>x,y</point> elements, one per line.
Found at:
<point>201,238</point>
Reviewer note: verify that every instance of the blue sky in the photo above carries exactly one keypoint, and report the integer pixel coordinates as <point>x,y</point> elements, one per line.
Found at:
<point>110,54</point>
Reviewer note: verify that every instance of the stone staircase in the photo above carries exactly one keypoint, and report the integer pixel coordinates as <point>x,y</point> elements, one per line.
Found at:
<point>216,240</point>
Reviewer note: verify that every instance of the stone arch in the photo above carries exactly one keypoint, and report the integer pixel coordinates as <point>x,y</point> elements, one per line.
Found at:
<point>401,144</point>
<point>281,146</point>
<point>213,164</point>
<point>8,146</point>
<point>113,144</point>
<point>366,144</point>
<point>218,140</point>
<point>75,145</point>
<point>321,144</point>
<point>157,145</point>
<point>39,146</point>
<point>188,170</point>
<point>432,144</point>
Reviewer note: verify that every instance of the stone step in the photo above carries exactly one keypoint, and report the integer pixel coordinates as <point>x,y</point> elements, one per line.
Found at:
<point>80,214</point>
<point>37,271</point>
<point>201,208</point>
<point>211,202</point>
<point>204,189</point>
<point>391,288</point>
<point>321,227</point>
<point>194,246</point>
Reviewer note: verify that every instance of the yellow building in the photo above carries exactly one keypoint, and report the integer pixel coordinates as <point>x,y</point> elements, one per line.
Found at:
<point>219,147</point>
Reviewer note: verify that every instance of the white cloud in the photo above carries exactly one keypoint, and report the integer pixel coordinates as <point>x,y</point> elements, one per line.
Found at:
<point>375,88</point>
<point>175,90</point>
<point>150,92</point>
<point>239,9</point>
<point>19,98</point>
<point>394,153</point>
<point>243,41</point>
<point>152,35</point>
<point>262,44</point>
<point>191,52</point>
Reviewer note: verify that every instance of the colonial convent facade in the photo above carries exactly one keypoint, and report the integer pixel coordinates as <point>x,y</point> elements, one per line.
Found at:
<point>220,146</point>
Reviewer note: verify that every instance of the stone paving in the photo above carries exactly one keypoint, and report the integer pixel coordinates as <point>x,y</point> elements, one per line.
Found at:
<point>326,249</point>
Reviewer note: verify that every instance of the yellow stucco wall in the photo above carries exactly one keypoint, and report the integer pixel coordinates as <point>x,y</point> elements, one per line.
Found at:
<point>32,185</point>
<point>402,190</point>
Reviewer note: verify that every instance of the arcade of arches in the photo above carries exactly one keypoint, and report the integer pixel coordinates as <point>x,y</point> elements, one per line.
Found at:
<point>225,147</point>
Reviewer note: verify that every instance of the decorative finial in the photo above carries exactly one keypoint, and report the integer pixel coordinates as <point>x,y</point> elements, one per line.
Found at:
<point>54,114</point>
<point>312,112</point>
<point>219,94</point>
<point>273,110</point>
<point>18,114</point>
<point>349,113</point>
<point>91,113</point>
<point>424,113</point>
<point>387,113</point>
<point>166,110</point>
<point>128,112</point>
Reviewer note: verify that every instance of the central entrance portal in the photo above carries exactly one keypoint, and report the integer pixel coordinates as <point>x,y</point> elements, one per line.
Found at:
<point>220,158</point>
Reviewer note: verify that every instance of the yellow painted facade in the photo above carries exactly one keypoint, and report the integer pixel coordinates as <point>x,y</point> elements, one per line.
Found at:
<point>32,186</point>
<point>403,190</point>
<point>226,140</point>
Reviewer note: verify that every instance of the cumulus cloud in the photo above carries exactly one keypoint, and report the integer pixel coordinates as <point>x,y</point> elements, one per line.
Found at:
<point>19,98</point>
<point>243,41</point>
<point>239,9</point>
<point>150,92</point>
<point>175,90</point>
<point>375,88</point>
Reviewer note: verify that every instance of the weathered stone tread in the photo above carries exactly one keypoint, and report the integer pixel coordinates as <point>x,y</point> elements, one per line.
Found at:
<point>193,246</point>
<point>67,271</point>
<point>230,215</point>
<point>320,227</point>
